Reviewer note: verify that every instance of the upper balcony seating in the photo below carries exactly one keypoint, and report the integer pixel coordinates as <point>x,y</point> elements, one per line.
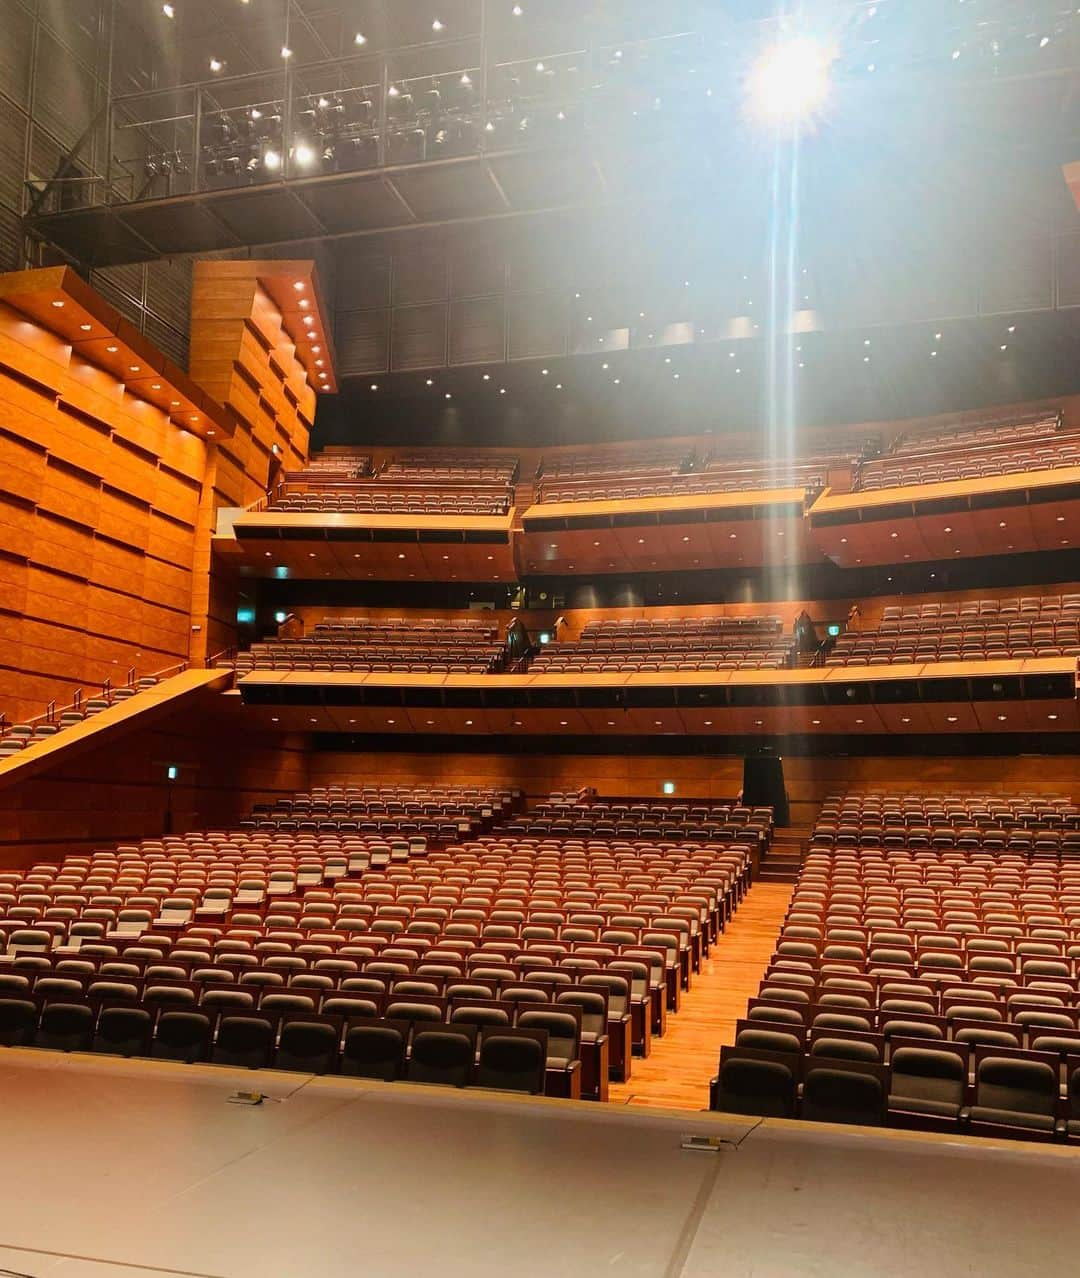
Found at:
<point>435,484</point>
<point>362,644</point>
<point>975,630</point>
<point>341,464</point>
<point>457,468</point>
<point>675,472</point>
<point>699,643</point>
<point>380,500</point>
<point>972,454</point>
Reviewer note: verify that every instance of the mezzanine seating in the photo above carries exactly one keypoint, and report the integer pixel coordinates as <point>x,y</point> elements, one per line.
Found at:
<point>974,630</point>
<point>994,449</point>
<point>704,643</point>
<point>361,644</point>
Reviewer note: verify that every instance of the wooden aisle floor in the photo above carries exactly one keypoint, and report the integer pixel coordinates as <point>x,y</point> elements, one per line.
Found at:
<point>680,1065</point>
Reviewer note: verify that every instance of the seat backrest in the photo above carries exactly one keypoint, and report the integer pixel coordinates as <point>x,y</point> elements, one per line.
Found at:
<point>442,1056</point>
<point>1026,1087</point>
<point>511,1063</point>
<point>765,1088</point>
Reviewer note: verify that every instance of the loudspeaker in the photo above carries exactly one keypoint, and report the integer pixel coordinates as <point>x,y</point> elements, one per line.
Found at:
<point>763,782</point>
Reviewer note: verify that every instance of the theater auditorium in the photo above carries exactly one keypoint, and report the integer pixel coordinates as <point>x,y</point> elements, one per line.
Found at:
<point>540,612</point>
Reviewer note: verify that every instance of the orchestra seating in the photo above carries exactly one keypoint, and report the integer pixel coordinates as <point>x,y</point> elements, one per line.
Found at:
<point>994,449</point>
<point>446,812</point>
<point>526,961</point>
<point>928,971</point>
<point>700,643</point>
<point>972,630</point>
<point>583,814</point>
<point>361,644</point>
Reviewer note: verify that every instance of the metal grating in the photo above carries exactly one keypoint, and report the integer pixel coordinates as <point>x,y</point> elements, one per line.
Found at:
<point>15,52</point>
<point>173,341</point>
<point>12,155</point>
<point>419,277</point>
<point>65,92</point>
<point>362,339</point>
<point>168,290</point>
<point>122,285</point>
<point>361,281</point>
<point>478,330</point>
<point>418,337</point>
<point>537,325</point>
<point>11,241</point>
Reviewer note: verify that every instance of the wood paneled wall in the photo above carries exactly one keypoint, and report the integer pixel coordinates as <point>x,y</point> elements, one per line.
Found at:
<point>243,357</point>
<point>99,501</point>
<point>809,780</point>
<point>122,794</point>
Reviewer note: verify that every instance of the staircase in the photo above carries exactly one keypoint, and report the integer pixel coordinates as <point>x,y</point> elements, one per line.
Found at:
<point>781,862</point>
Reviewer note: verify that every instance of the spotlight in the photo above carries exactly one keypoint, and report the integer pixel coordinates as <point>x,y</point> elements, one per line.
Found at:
<point>286,52</point>
<point>517,11</point>
<point>168,11</point>
<point>790,80</point>
<point>215,65</point>
<point>272,160</point>
<point>304,155</point>
<point>359,38</point>
<point>437,25</point>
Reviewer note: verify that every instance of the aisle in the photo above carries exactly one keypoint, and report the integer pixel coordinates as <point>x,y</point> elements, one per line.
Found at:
<point>681,1063</point>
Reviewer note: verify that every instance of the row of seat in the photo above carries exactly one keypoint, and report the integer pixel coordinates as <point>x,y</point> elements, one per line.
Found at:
<point>901,617</point>
<point>934,949</point>
<point>1014,1095</point>
<point>15,739</point>
<point>506,1059</point>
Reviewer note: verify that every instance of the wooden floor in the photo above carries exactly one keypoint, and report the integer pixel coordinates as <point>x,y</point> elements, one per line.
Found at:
<point>679,1068</point>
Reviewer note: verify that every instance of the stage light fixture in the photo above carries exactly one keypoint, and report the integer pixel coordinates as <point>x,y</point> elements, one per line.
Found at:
<point>168,11</point>
<point>305,156</point>
<point>216,65</point>
<point>790,81</point>
<point>272,160</point>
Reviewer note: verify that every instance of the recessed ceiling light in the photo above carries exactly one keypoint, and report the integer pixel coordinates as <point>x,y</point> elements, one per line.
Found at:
<point>430,382</point>
<point>402,555</point>
<point>156,386</point>
<point>951,718</point>
<point>1002,718</point>
<point>468,723</point>
<point>304,303</point>
<point>86,328</point>
<point>1051,716</point>
<point>438,25</point>
<point>905,720</point>
<point>816,723</point>
<point>112,349</point>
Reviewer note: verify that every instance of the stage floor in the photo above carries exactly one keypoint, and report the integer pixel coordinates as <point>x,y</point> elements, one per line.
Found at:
<point>139,1168</point>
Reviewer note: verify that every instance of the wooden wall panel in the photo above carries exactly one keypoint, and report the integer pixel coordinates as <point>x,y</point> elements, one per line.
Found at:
<point>99,496</point>
<point>809,780</point>
<point>243,356</point>
<point>121,794</point>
